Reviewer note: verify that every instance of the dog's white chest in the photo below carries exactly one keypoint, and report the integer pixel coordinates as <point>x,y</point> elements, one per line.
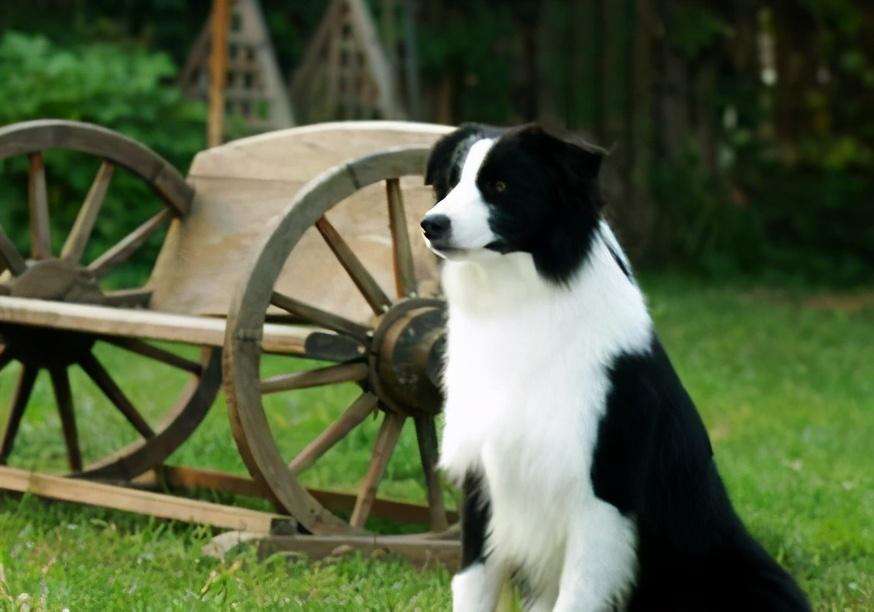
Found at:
<point>523,407</point>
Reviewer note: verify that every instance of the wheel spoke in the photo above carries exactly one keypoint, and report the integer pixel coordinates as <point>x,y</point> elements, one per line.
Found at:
<point>111,390</point>
<point>386,440</point>
<point>350,419</point>
<point>128,298</point>
<point>11,258</point>
<point>38,203</point>
<point>122,251</point>
<point>64,399</point>
<point>367,285</point>
<point>402,251</point>
<point>343,372</point>
<point>5,358</point>
<point>153,352</point>
<point>319,317</point>
<point>426,434</point>
<point>19,402</point>
<point>74,247</point>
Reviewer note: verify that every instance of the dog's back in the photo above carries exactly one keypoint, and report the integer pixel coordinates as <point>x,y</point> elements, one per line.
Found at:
<point>654,461</point>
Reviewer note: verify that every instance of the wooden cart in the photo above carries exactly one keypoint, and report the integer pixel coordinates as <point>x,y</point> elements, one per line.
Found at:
<point>302,243</point>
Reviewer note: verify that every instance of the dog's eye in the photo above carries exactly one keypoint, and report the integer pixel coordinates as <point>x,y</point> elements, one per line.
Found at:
<point>500,186</point>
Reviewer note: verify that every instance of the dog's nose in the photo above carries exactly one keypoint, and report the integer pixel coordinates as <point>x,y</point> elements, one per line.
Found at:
<point>436,227</point>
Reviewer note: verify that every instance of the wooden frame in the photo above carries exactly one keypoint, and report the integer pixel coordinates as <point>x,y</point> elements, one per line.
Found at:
<point>59,297</point>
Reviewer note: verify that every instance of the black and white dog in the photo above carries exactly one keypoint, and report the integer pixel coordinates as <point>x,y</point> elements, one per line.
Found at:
<point>587,472</point>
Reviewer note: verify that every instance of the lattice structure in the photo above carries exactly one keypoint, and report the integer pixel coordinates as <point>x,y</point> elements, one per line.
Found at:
<point>345,73</point>
<point>255,90</point>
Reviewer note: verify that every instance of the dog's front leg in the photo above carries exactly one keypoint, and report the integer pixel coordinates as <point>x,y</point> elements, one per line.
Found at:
<point>477,585</point>
<point>600,559</point>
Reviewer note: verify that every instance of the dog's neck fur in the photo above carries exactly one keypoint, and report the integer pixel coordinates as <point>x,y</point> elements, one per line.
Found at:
<point>491,285</point>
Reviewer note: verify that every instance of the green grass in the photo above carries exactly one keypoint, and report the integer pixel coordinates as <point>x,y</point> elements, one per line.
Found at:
<point>784,380</point>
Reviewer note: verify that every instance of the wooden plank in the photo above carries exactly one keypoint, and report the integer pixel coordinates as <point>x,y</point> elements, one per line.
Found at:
<point>188,478</point>
<point>244,186</point>
<point>102,320</point>
<point>142,502</point>
<point>400,512</point>
<point>38,205</point>
<point>77,240</point>
<point>419,551</point>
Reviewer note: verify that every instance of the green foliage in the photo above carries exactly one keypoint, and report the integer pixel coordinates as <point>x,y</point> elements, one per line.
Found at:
<point>120,86</point>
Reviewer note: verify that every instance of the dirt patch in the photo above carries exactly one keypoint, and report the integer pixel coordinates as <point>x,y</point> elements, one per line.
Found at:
<point>850,302</point>
<point>844,302</point>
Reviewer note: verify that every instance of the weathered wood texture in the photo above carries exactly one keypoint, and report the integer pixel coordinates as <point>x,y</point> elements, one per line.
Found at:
<point>142,502</point>
<point>243,186</point>
<point>309,209</point>
<point>418,551</point>
<point>254,89</point>
<point>130,323</point>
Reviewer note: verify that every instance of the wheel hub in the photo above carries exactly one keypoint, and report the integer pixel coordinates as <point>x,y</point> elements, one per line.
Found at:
<point>57,280</point>
<point>407,356</point>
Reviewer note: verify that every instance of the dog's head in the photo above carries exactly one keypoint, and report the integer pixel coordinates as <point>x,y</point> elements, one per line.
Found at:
<point>515,190</point>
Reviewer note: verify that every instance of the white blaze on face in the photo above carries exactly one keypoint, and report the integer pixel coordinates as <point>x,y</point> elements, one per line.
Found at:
<point>464,205</point>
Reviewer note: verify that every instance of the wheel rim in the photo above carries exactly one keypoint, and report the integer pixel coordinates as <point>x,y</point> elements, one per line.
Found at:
<point>402,345</point>
<point>64,277</point>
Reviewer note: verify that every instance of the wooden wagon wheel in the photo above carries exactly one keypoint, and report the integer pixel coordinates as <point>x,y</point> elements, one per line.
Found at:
<point>400,349</point>
<point>64,277</point>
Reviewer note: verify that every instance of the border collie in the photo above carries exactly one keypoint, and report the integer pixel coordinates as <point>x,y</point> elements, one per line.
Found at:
<point>587,473</point>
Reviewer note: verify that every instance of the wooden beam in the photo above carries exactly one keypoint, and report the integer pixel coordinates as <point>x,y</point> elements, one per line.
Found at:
<point>102,320</point>
<point>418,550</point>
<point>218,68</point>
<point>143,502</point>
<point>188,478</point>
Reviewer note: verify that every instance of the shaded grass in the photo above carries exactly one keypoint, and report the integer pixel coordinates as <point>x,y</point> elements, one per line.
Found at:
<point>786,390</point>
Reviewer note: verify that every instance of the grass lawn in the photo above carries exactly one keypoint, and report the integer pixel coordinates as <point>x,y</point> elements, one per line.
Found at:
<point>784,379</point>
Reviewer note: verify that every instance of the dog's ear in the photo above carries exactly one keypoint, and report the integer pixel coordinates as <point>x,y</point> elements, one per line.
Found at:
<point>448,154</point>
<point>572,154</point>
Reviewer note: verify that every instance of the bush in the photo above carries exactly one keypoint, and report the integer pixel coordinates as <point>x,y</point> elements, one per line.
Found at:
<point>120,86</point>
